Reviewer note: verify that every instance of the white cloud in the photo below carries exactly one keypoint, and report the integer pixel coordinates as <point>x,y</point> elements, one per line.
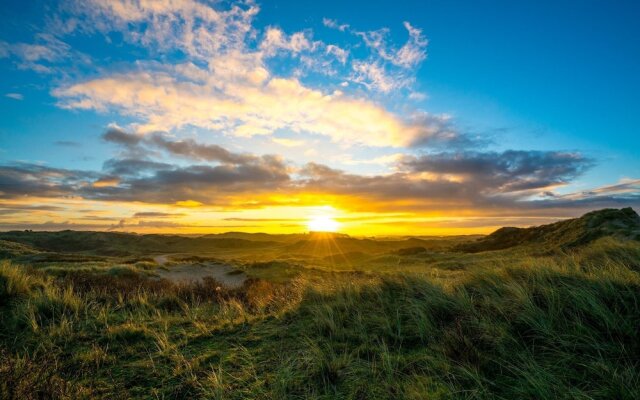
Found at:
<point>412,53</point>
<point>374,76</point>
<point>226,86</point>
<point>382,160</point>
<point>44,55</point>
<point>339,53</point>
<point>193,27</point>
<point>243,108</point>
<point>418,96</point>
<point>389,68</point>
<point>226,83</point>
<point>15,96</point>
<point>333,24</point>
<point>276,40</point>
<point>288,142</point>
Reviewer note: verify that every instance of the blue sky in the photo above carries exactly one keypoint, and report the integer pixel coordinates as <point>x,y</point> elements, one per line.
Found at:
<point>381,94</point>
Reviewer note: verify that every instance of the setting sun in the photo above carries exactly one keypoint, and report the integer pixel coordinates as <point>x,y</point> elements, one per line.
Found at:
<point>322,223</point>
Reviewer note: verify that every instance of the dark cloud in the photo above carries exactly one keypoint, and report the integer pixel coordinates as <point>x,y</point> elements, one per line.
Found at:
<point>96,218</point>
<point>398,186</point>
<point>140,178</point>
<point>186,148</point>
<point>133,167</point>
<point>151,214</point>
<point>509,180</point>
<point>119,136</point>
<point>143,179</point>
<point>23,179</point>
<point>189,148</point>
<point>509,171</point>
<point>439,132</point>
<point>124,224</point>
<point>25,207</point>
<point>158,182</point>
<point>51,226</point>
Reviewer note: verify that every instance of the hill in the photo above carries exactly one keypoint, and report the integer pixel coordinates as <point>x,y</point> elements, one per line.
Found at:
<point>621,224</point>
<point>12,249</point>
<point>124,244</point>
<point>117,244</point>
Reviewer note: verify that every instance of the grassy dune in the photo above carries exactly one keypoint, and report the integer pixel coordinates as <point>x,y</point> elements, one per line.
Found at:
<point>563,325</point>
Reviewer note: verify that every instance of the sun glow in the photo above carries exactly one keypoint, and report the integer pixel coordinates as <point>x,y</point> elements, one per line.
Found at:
<point>323,223</point>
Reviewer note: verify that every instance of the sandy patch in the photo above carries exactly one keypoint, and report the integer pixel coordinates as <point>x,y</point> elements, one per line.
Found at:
<point>222,273</point>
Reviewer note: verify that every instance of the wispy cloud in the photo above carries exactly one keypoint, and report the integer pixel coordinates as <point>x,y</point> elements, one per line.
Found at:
<point>15,96</point>
<point>47,54</point>
<point>333,24</point>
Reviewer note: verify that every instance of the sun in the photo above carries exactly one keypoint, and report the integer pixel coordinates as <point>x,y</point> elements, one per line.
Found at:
<point>322,223</point>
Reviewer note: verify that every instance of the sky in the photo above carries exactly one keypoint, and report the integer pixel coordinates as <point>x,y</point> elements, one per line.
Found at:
<point>377,117</point>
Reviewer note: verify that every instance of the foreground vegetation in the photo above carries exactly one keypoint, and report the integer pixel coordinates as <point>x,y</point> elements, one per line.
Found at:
<point>564,325</point>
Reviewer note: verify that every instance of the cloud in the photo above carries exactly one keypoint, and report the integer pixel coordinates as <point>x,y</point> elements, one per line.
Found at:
<point>125,167</point>
<point>441,181</point>
<point>107,181</point>
<point>418,96</point>
<point>624,193</point>
<point>389,68</point>
<point>190,149</point>
<point>152,214</point>
<point>115,134</point>
<point>339,53</point>
<point>224,82</point>
<point>166,103</point>
<point>409,55</point>
<point>381,160</point>
<point>333,24</point>
<point>506,172</point>
<point>374,76</point>
<point>143,179</point>
<point>29,209</point>
<point>508,181</point>
<point>475,178</point>
<point>50,226</point>
<point>288,142</point>
<point>624,187</point>
<point>438,131</point>
<point>188,204</point>
<point>195,28</point>
<point>276,40</point>
<point>23,179</point>
<point>15,96</point>
<point>414,51</point>
<point>186,148</point>
<point>46,54</point>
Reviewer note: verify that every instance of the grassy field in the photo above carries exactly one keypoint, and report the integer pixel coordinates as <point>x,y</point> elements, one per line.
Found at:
<point>398,324</point>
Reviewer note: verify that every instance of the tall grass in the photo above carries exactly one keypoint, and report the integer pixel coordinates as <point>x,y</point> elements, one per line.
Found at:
<point>563,326</point>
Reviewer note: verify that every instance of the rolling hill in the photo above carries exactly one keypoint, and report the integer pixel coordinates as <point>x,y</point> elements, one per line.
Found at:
<point>623,224</point>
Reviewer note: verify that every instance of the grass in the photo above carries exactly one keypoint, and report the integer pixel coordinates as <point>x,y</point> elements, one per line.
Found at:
<point>497,325</point>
